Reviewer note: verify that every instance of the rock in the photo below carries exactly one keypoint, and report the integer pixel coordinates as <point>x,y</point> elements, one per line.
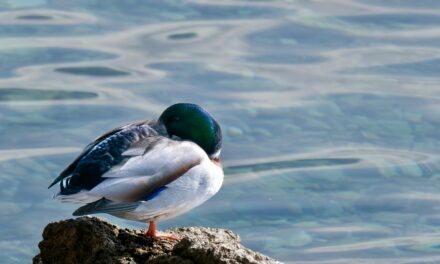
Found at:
<point>92,240</point>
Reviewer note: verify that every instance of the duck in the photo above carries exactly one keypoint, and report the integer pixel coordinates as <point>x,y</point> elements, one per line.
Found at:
<point>148,171</point>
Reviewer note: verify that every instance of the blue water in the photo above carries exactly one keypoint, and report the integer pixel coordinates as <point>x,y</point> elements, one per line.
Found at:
<point>330,112</point>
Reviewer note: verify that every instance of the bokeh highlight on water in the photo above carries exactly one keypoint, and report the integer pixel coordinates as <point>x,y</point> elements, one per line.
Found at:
<point>330,112</point>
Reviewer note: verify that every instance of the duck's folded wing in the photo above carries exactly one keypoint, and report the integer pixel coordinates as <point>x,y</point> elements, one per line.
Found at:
<point>71,167</point>
<point>98,159</point>
<point>164,162</point>
<point>106,206</point>
<point>127,187</point>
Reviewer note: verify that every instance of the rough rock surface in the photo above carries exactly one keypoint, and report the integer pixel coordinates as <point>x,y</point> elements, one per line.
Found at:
<point>91,240</point>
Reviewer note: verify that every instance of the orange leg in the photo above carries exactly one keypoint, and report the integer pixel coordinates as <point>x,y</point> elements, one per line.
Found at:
<point>152,232</point>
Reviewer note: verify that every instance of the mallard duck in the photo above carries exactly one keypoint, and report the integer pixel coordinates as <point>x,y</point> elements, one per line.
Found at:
<point>148,171</point>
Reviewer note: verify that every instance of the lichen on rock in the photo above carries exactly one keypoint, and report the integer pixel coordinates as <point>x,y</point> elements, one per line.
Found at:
<point>92,240</point>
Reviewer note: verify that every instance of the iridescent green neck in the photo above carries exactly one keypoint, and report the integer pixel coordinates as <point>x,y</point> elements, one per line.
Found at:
<point>191,122</point>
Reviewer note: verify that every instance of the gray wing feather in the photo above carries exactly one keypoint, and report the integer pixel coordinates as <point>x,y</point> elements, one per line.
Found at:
<point>106,206</point>
<point>71,167</point>
<point>141,147</point>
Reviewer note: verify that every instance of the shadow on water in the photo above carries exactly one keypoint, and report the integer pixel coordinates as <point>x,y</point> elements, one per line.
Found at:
<point>97,71</point>
<point>181,36</point>
<point>34,17</point>
<point>289,164</point>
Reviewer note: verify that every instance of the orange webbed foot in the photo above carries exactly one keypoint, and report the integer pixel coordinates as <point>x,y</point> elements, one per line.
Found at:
<point>153,233</point>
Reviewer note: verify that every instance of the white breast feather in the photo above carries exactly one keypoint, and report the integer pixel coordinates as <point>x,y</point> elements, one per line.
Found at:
<point>192,189</point>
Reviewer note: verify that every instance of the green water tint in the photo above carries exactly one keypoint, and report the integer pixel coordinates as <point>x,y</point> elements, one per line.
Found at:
<point>304,218</point>
<point>424,68</point>
<point>80,125</point>
<point>404,3</point>
<point>22,94</point>
<point>396,21</point>
<point>205,78</point>
<point>12,59</point>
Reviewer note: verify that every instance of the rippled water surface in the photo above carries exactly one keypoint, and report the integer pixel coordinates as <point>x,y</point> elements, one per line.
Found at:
<point>330,112</point>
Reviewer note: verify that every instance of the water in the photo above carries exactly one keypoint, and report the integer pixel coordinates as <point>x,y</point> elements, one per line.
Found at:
<point>330,112</point>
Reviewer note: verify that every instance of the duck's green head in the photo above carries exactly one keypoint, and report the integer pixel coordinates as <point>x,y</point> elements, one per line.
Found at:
<point>191,122</point>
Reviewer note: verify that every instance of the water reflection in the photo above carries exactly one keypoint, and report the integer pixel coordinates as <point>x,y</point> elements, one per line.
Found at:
<point>22,94</point>
<point>427,68</point>
<point>275,165</point>
<point>12,59</point>
<point>180,36</point>
<point>395,21</point>
<point>34,17</point>
<point>92,71</point>
<point>329,111</point>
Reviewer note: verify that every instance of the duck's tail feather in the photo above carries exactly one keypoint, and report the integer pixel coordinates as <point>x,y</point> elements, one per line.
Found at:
<point>104,205</point>
<point>80,197</point>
